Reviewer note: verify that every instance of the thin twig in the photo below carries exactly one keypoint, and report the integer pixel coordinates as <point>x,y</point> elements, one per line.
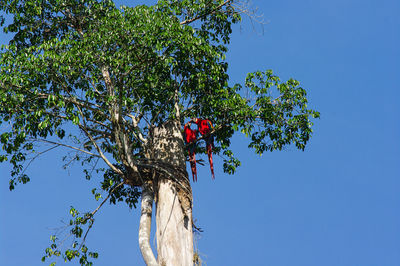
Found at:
<point>96,210</point>
<point>67,146</point>
<point>37,155</point>
<point>104,201</point>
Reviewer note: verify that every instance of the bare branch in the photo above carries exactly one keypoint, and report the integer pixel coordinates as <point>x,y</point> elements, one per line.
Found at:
<point>83,127</point>
<point>37,155</point>
<point>135,125</point>
<point>108,196</point>
<point>67,146</point>
<point>90,216</point>
<point>120,135</point>
<point>244,7</point>
<point>100,151</point>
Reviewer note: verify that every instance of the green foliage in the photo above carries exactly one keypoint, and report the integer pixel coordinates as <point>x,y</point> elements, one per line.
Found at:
<point>281,120</point>
<point>76,249</point>
<point>127,194</point>
<point>52,78</point>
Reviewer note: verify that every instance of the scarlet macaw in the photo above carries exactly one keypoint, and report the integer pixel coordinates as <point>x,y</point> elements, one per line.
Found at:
<point>190,136</point>
<point>204,127</point>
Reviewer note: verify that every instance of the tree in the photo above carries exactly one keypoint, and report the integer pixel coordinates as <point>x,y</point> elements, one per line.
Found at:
<point>116,86</point>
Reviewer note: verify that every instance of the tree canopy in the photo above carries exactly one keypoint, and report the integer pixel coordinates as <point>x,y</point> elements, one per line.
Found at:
<point>96,79</point>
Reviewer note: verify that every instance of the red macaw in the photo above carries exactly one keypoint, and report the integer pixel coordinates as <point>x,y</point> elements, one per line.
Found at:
<point>190,136</point>
<point>204,127</point>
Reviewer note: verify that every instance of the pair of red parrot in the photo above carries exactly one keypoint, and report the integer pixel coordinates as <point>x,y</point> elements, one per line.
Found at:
<point>204,127</point>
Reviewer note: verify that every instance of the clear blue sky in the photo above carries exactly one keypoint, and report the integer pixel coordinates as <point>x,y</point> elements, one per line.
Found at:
<point>336,204</point>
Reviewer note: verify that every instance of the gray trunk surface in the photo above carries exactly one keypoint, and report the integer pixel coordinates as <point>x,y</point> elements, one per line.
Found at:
<point>173,199</point>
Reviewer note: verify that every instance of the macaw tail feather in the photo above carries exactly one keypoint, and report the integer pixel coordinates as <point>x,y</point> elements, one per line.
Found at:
<point>192,160</point>
<point>210,159</point>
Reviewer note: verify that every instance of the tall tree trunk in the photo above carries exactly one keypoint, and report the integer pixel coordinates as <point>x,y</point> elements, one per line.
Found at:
<point>173,199</point>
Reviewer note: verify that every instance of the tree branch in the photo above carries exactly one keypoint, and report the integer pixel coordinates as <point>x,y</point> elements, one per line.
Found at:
<point>108,196</point>
<point>135,126</point>
<point>77,102</point>
<point>215,129</point>
<point>90,216</point>
<point>37,155</point>
<point>188,21</point>
<point>83,127</point>
<point>67,146</point>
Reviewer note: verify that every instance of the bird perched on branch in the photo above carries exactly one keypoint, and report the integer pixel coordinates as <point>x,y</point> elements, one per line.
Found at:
<point>190,136</point>
<point>204,127</point>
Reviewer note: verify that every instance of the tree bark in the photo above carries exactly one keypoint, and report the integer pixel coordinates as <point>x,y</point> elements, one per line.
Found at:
<point>145,225</point>
<point>173,199</point>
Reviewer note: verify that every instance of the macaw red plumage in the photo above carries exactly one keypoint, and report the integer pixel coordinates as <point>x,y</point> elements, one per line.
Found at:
<point>204,127</point>
<point>190,137</point>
